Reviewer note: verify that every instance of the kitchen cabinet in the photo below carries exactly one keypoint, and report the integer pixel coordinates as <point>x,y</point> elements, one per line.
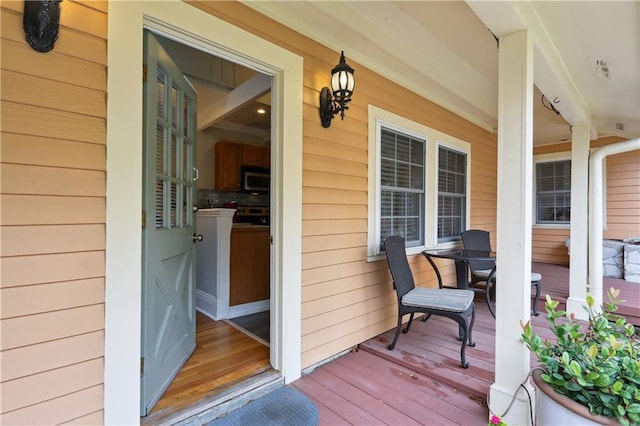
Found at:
<point>249,275</point>
<point>231,156</point>
<point>267,158</point>
<point>253,156</point>
<point>228,162</point>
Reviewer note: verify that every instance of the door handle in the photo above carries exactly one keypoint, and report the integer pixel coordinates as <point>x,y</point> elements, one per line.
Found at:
<point>194,208</point>
<point>197,238</point>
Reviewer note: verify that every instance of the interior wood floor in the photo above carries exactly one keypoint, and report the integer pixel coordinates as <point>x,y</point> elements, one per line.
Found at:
<point>223,357</point>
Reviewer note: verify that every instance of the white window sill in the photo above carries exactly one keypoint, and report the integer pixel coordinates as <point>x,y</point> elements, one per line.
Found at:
<point>552,226</point>
<point>417,250</point>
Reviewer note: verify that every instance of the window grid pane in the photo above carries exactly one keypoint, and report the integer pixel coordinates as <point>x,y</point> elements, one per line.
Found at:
<point>452,194</point>
<point>402,187</point>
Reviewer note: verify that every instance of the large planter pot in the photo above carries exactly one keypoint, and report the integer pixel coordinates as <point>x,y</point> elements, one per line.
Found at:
<point>556,409</point>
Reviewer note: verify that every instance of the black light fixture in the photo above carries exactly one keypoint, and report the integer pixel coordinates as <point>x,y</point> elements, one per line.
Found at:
<point>334,102</point>
<point>41,21</point>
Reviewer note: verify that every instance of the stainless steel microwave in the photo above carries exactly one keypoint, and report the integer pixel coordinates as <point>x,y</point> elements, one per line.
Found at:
<point>255,179</point>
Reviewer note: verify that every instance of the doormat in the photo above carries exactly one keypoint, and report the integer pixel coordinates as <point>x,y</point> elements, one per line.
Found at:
<point>283,406</point>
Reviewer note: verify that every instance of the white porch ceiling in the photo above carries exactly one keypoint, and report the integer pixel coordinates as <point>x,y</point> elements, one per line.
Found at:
<point>446,52</point>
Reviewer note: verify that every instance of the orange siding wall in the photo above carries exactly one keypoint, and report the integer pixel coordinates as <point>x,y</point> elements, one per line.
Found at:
<point>345,299</point>
<point>53,219</point>
<point>623,203</point>
<point>623,194</point>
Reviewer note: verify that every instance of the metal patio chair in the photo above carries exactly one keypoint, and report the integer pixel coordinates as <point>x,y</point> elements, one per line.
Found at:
<point>484,271</point>
<point>455,304</point>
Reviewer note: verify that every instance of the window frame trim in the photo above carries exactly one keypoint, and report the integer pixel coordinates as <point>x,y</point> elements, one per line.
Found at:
<point>377,118</point>
<point>463,148</point>
<point>552,157</point>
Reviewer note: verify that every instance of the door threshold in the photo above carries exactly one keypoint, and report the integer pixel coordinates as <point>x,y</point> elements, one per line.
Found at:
<point>225,402</point>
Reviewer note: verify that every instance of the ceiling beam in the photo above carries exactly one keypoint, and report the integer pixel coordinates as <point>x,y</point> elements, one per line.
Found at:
<point>550,72</point>
<point>248,91</point>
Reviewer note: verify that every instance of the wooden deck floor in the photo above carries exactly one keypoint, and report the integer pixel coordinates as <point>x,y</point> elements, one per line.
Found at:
<point>421,381</point>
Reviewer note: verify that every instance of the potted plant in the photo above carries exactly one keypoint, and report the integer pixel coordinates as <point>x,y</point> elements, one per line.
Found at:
<point>595,363</point>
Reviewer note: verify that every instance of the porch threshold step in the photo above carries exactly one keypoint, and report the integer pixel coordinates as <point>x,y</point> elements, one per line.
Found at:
<point>228,400</point>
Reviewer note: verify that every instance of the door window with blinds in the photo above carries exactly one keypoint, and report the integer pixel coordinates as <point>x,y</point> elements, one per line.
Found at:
<point>553,192</point>
<point>418,184</point>
<point>174,162</point>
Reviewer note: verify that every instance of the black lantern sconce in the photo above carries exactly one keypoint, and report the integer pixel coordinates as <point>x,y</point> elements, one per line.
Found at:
<point>40,22</point>
<point>334,102</point>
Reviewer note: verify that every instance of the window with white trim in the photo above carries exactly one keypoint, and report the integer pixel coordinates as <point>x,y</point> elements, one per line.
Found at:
<point>553,192</point>
<point>402,189</point>
<point>418,184</point>
<point>452,193</point>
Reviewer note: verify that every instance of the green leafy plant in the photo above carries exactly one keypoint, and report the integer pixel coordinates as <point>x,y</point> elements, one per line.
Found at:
<point>594,362</point>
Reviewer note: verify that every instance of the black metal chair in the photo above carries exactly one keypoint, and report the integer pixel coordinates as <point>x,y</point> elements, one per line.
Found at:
<point>483,271</point>
<point>455,304</point>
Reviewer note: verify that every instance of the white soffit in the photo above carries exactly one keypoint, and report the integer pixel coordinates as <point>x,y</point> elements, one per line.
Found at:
<point>550,74</point>
<point>606,32</point>
<point>367,32</point>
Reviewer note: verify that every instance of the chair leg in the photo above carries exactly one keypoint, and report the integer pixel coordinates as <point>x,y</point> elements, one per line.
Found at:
<point>395,338</point>
<point>473,320</point>
<point>406,329</point>
<point>466,328</point>
<point>537,284</point>
<point>487,296</point>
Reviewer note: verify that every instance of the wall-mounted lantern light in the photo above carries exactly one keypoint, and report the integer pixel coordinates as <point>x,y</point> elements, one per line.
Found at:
<point>334,102</point>
<point>40,22</point>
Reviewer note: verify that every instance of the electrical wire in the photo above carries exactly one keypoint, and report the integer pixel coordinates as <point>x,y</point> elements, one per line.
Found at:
<point>513,398</point>
<point>550,107</point>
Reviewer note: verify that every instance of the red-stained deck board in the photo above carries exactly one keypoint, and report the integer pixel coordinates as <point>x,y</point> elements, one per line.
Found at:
<point>421,380</point>
<point>410,392</point>
<point>341,406</point>
<point>358,395</point>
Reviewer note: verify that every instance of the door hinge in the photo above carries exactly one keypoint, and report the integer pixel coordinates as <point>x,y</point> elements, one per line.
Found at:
<point>141,366</point>
<point>144,73</point>
<point>144,219</point>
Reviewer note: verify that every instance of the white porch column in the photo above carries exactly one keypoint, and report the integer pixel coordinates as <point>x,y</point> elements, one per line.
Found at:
<point>514,219</point>
<point>578,265</point>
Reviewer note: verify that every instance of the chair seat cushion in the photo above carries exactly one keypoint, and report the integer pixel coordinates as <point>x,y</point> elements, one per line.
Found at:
<point>535,276</point>
<point>482,273</point>
<point>435,298</point>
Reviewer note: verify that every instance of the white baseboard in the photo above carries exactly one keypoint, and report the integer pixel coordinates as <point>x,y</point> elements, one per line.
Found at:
<point>248,308</point>
<point>207,304</point>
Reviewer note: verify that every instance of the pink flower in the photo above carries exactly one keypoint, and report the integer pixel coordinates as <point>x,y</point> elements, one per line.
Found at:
<point>495,420</point>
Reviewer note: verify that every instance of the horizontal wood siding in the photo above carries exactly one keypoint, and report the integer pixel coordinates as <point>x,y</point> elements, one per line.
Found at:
<point>346,299</point>
<point>548,246</point>
<point>622,192</point>
<point>622,198</point>
<point>52,235</point>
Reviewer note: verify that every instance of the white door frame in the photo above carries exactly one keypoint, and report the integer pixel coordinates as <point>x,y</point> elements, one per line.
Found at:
<point>195,28</point>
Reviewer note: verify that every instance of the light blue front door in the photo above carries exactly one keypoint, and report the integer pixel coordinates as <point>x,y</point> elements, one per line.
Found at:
<point>168,251</point>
